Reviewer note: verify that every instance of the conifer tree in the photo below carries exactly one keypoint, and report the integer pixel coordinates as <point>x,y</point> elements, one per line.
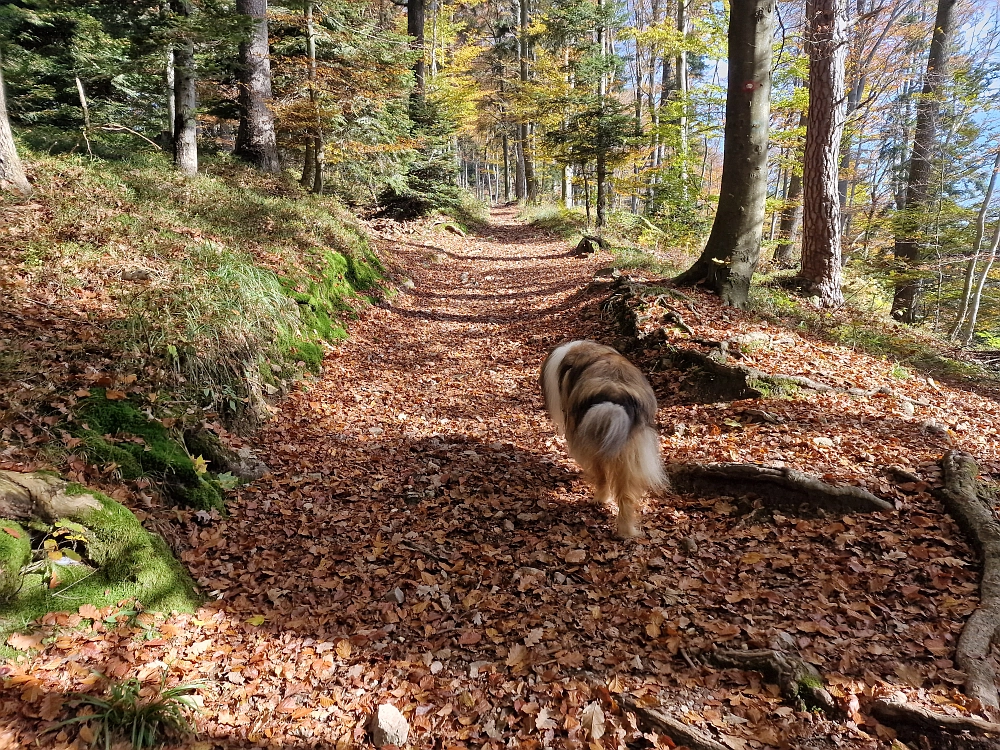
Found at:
<point>255,140</point>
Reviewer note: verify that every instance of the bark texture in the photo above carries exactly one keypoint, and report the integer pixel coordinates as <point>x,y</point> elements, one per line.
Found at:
<point>782,488</point>
<point>663,723</point>
<point>905,303</point>
<point>11,172</point>
<point>255,139</point>
<point>415,13</point>
<point>979,523</point>
<point>827,42</point>
<point>185,100</point>
<point>791,217</point>
<point>733,249</point>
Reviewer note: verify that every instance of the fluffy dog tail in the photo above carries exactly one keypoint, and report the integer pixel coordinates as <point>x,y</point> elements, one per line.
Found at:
<point>608,435</point>
<point>605,429</point>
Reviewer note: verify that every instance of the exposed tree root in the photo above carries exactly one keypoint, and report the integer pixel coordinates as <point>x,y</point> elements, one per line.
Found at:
<point>590,244</point>
<point>784,488</point>
<point>930,729</point>
<point>659,721</point>
<point>798,680</point>
<point>979,523</point>
<point>24,497</point>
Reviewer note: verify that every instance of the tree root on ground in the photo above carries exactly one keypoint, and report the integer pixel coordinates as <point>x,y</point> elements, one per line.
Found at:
<point>785,488</point>
<point>798,680</point>
<point>935,730</point>
<point>979,523</point>
<point>590,244</point>
<point>659,721</point>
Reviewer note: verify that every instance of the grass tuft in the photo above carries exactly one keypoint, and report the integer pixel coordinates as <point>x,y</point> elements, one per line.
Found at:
<point>142,721</point>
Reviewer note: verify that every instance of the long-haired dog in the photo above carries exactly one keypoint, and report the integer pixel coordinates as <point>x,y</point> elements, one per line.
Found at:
<point>606,408</point>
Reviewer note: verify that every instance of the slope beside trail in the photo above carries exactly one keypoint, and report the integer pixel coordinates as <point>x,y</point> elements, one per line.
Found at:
<point>424,540</point>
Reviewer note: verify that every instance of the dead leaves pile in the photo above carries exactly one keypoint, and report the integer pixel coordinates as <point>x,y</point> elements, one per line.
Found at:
<point>424,540</point>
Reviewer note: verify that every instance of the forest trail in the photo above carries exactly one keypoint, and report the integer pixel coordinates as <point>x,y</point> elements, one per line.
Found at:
<point>424,540</point>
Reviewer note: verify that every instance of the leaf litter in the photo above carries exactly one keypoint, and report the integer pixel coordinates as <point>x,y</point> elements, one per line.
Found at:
<point>423,540</point>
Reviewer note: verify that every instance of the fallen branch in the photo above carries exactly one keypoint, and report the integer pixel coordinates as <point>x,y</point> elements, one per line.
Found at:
<point>784,488</point>
<point>977,520</point>
<point>797,679</point>
<point>659,721</point>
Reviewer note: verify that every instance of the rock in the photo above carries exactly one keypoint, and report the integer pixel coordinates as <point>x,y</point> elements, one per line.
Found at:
<point>906,407</point>
<point>396,596</point>
<point>823,442</point>
<point>387,726</point>
<point>408,284</point>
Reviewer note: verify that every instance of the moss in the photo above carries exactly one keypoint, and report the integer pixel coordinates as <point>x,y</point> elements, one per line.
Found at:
<point>15,552</point>
<point>324,300</point>
<point>116,431</point>
<point>124,562</point>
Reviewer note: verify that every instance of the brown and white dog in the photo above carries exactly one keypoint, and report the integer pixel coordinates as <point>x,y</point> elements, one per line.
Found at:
<point>606,408</point>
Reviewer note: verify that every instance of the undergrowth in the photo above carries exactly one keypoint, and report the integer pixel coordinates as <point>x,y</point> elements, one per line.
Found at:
<point>225,286</point>
<point>908,348</point>
<point>103,556</point>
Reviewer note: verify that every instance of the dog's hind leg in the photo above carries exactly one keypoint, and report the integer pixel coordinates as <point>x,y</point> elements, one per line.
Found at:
<point>629,514</point>
<point>602,491</point>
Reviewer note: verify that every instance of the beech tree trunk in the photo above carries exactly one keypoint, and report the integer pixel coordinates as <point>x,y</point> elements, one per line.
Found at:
<point>255,139</point>
<point>826,35</point>
<point>733,249</point>
<point>11,172</point>
<point>185,100</point>
<point>906,300</point>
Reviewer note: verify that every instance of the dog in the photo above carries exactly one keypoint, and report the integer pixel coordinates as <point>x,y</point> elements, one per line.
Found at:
<point>607,409</point>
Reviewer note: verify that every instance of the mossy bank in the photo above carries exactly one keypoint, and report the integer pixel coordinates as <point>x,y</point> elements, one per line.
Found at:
<point>97,554</point>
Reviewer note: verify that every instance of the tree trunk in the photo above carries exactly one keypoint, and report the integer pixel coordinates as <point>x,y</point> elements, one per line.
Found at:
<point>906,300</point>
<point>733,249</point>
<point>791,214</point>
<point>312,175</point>
<point>827,43</point>
<point>682,92</point>
<point>11,172</point>
<point>171,94</point>
<point>602,189</point>
<point>255,139</point>
<point>970,270</point>
<point>415,28</point>
<point>309,164</point>
<point>185,100</point>
<point>506,168</point>
<point>970,327</point>
<point>524,52</point>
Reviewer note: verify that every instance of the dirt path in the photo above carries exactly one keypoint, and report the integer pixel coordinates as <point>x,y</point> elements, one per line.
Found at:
<point>424,540</point>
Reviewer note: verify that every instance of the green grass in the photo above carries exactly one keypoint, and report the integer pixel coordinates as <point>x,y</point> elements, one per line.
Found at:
<point>121,561</point>
<point>568,223</point>
<point>229,256</point>
<point>144,722</point>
